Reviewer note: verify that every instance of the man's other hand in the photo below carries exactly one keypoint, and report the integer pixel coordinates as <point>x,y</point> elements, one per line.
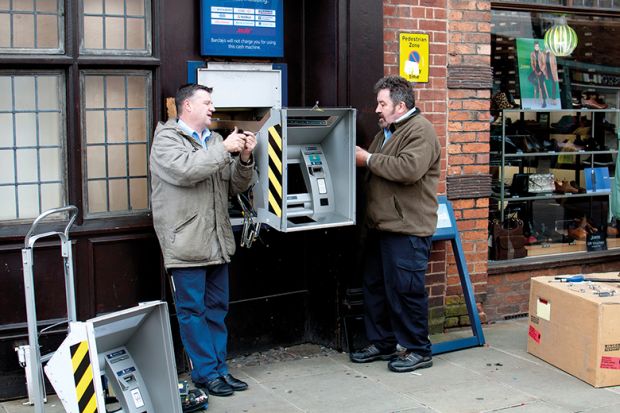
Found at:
<point>361,156</point>
<point>250,144</point>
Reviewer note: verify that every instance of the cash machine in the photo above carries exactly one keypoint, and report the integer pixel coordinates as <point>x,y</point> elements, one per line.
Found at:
<point>305,157</point>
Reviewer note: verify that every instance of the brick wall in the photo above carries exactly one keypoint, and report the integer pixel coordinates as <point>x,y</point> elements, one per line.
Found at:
<point>456,100</point>
<point>508,292</point>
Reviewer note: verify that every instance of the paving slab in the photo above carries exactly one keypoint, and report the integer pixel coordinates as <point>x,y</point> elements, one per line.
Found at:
<point>498,377</point>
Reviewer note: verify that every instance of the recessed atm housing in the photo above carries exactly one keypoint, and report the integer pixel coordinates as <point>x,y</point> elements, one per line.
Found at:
<point>305,157</point>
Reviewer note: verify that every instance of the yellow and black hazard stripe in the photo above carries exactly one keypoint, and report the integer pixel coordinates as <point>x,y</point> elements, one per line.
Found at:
<point>275,170</point>
<point>83,377</point>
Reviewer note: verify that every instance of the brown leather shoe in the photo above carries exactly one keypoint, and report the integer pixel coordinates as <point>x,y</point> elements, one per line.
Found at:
<point>593,104</point>
<point>578,233</point>
<point>579,189</point>
<point>567,188</point>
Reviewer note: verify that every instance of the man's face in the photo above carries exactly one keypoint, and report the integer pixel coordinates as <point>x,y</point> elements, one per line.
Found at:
<point>386,109</point>
<point>198,110</point>
<point>536,47</point>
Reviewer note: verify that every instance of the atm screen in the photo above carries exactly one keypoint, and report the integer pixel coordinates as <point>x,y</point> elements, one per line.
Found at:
<point>295,180</point>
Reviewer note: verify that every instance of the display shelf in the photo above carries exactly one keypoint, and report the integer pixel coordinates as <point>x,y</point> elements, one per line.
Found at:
<point>556,212</point>
<point>556,153</point>
<point>548,196</point>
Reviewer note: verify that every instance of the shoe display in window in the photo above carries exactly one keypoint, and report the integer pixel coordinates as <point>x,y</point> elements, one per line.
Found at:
<point>566,187</point>
<point>592,103</point>
<point>582,228</point>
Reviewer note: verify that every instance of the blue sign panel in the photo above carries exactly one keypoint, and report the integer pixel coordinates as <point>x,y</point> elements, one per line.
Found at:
<point>250,28</point>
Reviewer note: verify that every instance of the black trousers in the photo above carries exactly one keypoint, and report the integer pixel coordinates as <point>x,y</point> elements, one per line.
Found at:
<point>395,298</point>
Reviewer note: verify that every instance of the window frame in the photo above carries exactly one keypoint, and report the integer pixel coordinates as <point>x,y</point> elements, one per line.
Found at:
<point>64,177</point>
<point>149,134</point>
<point>61,22</point>
<point>148,23</point>
<point>71,63</point>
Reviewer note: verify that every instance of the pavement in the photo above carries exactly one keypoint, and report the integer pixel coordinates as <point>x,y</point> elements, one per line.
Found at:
<point>498,377</point>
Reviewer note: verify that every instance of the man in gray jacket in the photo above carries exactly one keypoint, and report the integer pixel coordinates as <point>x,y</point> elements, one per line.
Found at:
<point>192,176</point>
<point>403,168</point>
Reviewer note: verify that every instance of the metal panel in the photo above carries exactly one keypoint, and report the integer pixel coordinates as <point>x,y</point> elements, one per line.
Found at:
<point>243,85</point>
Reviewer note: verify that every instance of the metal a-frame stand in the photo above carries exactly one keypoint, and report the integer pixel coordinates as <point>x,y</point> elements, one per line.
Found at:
<point>447,230</point>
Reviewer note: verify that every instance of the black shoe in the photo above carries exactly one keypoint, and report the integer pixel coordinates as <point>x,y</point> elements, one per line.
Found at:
<point>217,387</point>
<point>236,384</point>
<point>410,361</point>
<point>371,353</point>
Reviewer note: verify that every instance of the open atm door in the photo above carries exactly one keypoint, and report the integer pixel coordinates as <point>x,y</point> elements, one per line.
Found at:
<point>306,170</point>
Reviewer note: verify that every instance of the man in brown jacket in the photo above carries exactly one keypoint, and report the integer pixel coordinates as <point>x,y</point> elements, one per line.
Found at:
<point>192,176</point>
<point>402,164</point>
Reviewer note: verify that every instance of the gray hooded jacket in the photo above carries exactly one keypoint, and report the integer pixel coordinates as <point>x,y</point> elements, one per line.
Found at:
<point>190,191</point>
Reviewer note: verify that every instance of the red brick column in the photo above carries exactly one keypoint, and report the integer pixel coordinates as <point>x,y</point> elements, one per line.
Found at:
<point>469,69</point>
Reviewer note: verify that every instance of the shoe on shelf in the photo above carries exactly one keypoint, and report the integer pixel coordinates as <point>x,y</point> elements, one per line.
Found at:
<point>410,361</point>
<point>236,384</point>
<point>591,103</point>
<point>565,187</point>
<point>579,189</point>
<point>372,353</point>
<point>578,233</point>
<point>217,387</point>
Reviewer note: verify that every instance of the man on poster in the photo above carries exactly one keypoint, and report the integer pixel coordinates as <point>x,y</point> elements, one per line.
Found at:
<point>537,77</point>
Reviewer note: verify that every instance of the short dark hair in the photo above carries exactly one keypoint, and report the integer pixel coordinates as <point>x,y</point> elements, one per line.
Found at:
<point>187,91</point>
<point>400,90</point>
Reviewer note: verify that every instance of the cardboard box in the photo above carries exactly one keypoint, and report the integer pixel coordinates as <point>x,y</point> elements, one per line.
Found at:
<point>575,329</point>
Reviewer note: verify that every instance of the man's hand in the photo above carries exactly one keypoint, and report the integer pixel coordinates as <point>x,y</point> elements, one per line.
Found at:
<point>235,142</point>
<point>250,144</point>
<point>361,156</point>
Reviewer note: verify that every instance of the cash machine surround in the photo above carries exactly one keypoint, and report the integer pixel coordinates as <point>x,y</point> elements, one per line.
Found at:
<point>305,157</point>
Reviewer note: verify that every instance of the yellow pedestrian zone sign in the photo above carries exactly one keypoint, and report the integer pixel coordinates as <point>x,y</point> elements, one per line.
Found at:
<point>414,57</point>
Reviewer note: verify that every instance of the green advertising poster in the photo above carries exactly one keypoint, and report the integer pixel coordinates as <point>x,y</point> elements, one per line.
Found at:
<point>538,75</point>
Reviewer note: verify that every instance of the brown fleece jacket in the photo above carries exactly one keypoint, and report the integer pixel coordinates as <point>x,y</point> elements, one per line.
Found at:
<point>402,179</point>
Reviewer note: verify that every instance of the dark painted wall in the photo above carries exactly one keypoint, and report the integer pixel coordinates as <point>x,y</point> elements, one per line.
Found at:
<point>288,288</point>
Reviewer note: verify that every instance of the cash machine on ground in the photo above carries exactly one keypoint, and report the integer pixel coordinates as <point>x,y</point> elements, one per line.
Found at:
<point>305,157</point>
<point>128,354</point>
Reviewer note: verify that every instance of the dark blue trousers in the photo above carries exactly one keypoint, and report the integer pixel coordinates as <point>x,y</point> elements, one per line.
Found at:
<point>201,299</point>
<point>395,298</point>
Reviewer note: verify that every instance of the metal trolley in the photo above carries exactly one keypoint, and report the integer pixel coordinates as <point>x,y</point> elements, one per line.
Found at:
<point>30,355</point>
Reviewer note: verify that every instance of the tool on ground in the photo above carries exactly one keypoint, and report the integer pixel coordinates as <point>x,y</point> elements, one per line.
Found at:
<point>582,278</point>
<point>192,399</point>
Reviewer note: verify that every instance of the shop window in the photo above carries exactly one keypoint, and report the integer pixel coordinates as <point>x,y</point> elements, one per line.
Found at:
<point>591,4</point>
<point>32,176</point>
<point>116,125</point>
<point>108,136</point>
<point>554,134</point>
<point>31,26</point>
<point>116,27</point>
